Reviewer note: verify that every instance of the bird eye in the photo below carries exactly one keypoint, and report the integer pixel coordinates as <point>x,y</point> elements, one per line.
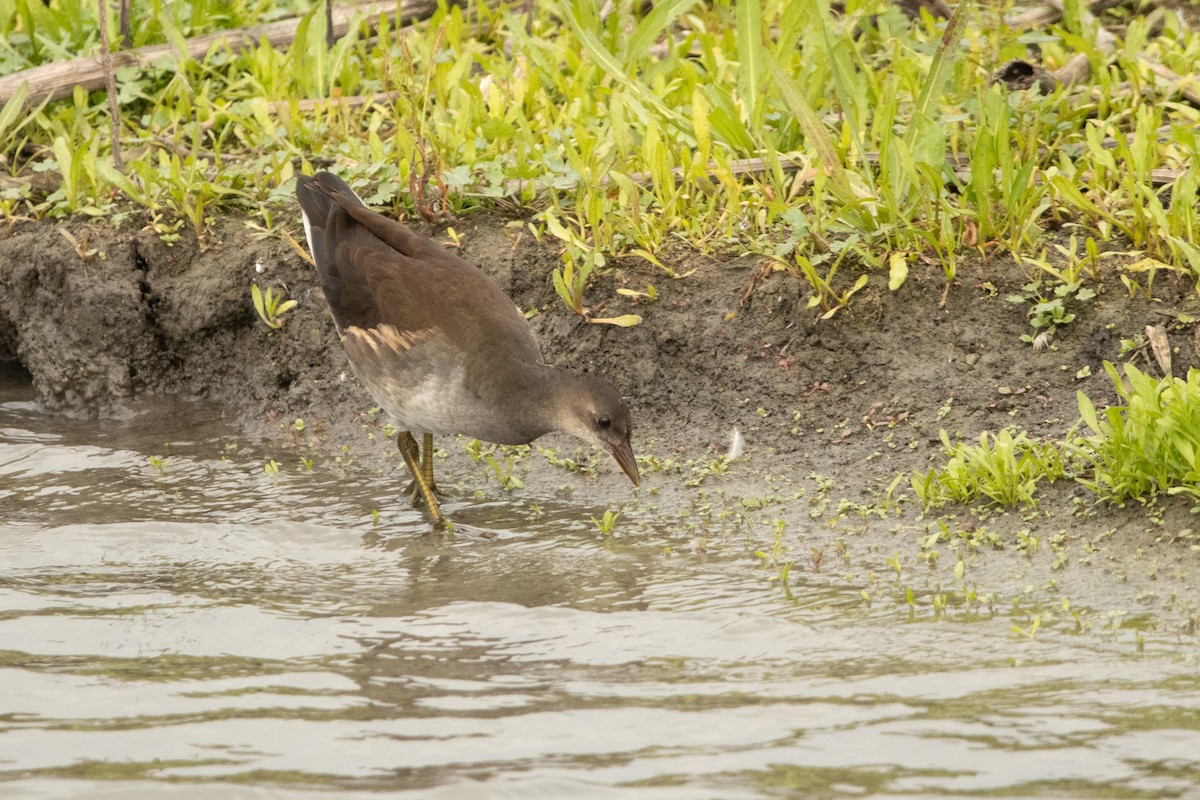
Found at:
<point>604,422</point>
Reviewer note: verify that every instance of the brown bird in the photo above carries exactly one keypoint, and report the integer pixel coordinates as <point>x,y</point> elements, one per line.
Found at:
<point>439,345</point>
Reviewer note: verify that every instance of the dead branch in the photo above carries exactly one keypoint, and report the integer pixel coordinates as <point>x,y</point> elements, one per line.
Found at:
<point>110,87</point>
<point>58,80</point>
<point>1049,14</point>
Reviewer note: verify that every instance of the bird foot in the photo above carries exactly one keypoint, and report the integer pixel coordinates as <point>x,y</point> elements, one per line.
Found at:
<point>414,491</point>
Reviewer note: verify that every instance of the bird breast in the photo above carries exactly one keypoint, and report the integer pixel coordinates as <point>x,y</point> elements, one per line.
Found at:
<point>411,376</point>
<point>423,382</point>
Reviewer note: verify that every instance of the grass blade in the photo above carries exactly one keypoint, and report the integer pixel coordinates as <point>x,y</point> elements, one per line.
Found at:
<point>814,131</point>
<point>939,69</point>
<point>14,106</point>
<point>607,62</point>
<point>750,60</point>
<point>653,24</point>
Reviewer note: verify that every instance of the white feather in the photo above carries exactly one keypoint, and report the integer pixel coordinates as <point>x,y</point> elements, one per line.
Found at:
<point>308,232</point>
<point>737,445</point>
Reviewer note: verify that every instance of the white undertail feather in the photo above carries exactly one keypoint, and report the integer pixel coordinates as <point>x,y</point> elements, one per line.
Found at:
<point>737,445</point>
<point>308,232</point>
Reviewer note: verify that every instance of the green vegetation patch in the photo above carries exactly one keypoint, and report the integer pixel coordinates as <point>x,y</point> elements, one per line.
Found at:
<point>1141,448</point>
<point>1148,444</point>
<point>1004,468</point>
<point>840,145</point>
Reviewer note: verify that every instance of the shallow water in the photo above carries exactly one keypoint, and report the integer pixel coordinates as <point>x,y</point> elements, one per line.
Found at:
<point>204,630</point>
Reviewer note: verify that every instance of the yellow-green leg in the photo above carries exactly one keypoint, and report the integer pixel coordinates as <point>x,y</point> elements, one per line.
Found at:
<point>427,463</point>
<point>427,472</point>
<point>422,472</point>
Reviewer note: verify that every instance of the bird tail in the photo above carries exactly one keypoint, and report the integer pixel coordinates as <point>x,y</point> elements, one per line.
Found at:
<point>342,232</point>
<point>319,196</point>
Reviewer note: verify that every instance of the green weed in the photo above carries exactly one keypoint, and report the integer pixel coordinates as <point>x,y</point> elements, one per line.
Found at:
<point>1148,444</point>
<point>271,307</point>
<point>1139,449</point>
<point>1003,468</point>
<point>770,126</point>
<point>1050,311</point>
<point>774,559</point>
<point>504,469</point>
<point>607,523</point>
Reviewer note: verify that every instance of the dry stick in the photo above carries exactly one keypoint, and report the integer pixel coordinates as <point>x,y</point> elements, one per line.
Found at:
<point>110,86</point>
<point>1045,15</point>
<point>1078,67</point>
<point>305,106</point>
<point>792,162</point>
<point>344,101</point>
<point>124,23</point>
<point>58,80</point>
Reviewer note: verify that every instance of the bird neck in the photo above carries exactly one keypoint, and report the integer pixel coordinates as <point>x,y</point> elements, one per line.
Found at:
<point>552,395</point>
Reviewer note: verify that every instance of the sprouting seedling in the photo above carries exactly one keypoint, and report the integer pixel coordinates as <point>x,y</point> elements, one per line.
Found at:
<point>1031,631</point>
<point>607,523</point>
<point>505,473</point>
<point>270,306</point>
<point>569,283</point>
<point>649,296</point>
<point>775,559</point>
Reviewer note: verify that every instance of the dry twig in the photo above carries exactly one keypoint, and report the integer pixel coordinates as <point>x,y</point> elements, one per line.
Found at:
<point>110,86</point>
<point>58,80</point>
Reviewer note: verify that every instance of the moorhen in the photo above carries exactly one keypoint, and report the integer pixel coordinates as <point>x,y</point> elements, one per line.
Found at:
<point>438,343</point>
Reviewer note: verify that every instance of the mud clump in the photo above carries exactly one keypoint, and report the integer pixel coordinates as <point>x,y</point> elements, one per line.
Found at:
<point>76,320</point>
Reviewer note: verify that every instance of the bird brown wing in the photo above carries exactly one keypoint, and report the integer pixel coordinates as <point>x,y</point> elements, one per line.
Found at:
<point>375,271</point>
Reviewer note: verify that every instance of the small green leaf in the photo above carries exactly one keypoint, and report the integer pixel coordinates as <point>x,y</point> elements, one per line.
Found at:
<point>109,174</point>
<point>256,296</point>
<point>897,270</point>
<point>14,106</point>
<point>701,125</point>
<point>1087,410</point>
<point>623,321</point>
<point>653,24</point>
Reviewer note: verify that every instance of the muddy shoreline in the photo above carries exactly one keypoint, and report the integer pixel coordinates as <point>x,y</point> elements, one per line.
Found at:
<point>831,410</point>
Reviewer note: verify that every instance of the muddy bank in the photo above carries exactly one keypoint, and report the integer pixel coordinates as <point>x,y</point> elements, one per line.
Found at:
<point>103,316</point>
<point>831,409</point>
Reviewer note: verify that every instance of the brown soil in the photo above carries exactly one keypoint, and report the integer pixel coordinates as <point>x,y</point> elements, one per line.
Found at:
<point>732,345</point>
<point>858,398</point>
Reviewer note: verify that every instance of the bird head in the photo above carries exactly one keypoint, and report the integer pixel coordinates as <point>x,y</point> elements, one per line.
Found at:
<point>596,413</point>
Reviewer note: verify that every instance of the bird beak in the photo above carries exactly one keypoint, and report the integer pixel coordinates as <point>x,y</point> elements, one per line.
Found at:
<point>623,453</point>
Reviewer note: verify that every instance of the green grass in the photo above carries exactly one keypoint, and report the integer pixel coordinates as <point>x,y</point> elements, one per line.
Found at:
<point>1144,447</point>
<point>617,148</point>
<point>1004,469</point>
